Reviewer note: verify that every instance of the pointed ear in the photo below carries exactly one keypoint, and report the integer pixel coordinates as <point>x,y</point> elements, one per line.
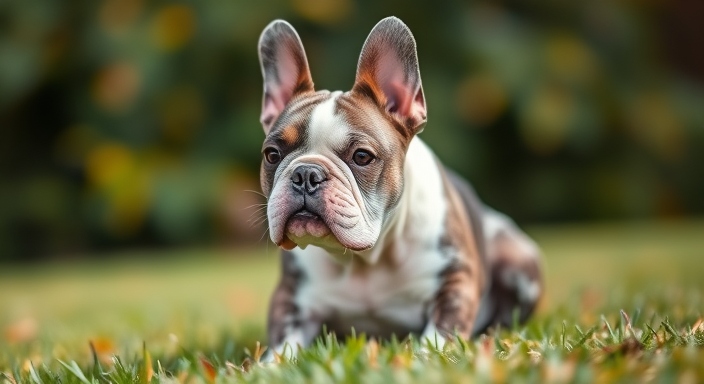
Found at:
<point>388,73</point>
<point>284,67</point>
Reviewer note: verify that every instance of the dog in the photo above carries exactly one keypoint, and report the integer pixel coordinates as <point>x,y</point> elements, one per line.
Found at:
<point>377,236</point>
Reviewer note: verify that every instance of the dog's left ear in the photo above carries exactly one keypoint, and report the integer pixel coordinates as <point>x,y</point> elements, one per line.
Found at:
<point>388,73</point>
<point>284,67</point>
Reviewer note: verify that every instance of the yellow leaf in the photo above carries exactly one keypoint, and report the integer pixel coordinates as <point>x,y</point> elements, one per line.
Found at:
<point>258,352</point>
<point>147,371</point>
<point>208,369</point>
<point>373,353</point>
<point>698,326</point>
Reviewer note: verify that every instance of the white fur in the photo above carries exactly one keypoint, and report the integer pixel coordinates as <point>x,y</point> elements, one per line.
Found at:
<point>326,129</point>
<point>496,222</point>
<point>528,290</point>
<point>289,347</point>
<point>432,337</point>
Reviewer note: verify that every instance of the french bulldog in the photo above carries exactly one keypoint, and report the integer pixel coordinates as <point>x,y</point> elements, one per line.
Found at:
<point>377,235</point>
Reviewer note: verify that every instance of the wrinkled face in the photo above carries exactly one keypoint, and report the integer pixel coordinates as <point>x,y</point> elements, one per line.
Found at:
<point>333,169</point>
<point>332,163</point>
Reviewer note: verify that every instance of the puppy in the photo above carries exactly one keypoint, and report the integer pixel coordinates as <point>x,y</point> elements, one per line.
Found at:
<point>377,235</point>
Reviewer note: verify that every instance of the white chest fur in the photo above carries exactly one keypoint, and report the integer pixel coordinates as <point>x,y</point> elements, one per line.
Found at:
<point>395,288</point>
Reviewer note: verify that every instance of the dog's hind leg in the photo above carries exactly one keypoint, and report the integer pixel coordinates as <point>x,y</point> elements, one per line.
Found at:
<point>513,263</point>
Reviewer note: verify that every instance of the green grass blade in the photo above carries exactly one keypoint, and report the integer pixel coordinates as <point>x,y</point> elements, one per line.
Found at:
<point>74,369</point>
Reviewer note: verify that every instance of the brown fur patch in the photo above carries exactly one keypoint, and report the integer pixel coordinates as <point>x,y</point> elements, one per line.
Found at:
<point>367,89</point>
<point>509,257</point>
<point>283,311</point>
<point>366,86</point>
<point>457,301</point>
<point>290,134</point>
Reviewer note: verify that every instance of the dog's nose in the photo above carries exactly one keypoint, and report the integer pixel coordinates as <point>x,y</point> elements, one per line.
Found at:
<point>307,178</point>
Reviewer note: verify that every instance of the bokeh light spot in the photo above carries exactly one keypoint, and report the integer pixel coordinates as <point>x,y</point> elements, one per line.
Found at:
<point>181,113</point>
<point>22,330</point>
<point>481,99</point>
<point>570,59</point>
<point>653,122</point>
<point>323,11</point>
<point>173,27</point>
<point>124,187</point>
<point>117,16</point>
<point>116,86</point>
<point>108,163</point>
<point>128,204</point>
<point>545,119</point>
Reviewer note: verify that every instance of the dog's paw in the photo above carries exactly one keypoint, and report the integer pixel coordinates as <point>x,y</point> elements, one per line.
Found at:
<point>282,352</point>
<point>432,338</point>
<point>269,357</point>
<point>431,342</point>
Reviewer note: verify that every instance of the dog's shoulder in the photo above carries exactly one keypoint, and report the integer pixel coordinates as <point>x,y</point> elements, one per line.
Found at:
<point>471,205</point>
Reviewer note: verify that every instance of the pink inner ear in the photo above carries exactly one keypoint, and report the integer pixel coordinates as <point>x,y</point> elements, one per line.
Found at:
<point>279,93</point>
<point>274,103</point>
<point>404,95</point>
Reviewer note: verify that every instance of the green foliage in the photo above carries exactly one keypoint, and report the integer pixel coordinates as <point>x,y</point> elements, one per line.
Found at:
<point>127,122</point>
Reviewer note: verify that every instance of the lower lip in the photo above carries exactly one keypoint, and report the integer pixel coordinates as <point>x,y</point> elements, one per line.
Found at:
<point>306,223</point>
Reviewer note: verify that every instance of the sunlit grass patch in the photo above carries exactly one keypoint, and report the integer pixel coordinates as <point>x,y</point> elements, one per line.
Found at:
<point>624,303</point>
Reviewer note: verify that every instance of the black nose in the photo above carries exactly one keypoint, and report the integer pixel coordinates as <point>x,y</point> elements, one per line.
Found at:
<point>307,178</point>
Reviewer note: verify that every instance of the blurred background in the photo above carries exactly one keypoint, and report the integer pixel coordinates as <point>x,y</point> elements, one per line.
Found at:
<point>134,124</point>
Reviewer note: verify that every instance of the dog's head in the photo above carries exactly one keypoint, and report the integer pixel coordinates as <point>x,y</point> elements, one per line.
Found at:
<point>332,163</point>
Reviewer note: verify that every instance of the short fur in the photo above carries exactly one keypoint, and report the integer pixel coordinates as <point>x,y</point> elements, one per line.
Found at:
<point>397,246</point>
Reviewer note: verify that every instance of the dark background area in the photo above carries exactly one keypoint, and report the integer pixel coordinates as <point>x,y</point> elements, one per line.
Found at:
<point>132,124</point>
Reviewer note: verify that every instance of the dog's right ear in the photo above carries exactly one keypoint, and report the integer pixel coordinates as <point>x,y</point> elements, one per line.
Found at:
<point>284,67</point>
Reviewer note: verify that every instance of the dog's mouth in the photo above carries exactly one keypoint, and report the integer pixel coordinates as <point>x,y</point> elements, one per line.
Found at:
<point>304,214</point>
<point>302,228</point>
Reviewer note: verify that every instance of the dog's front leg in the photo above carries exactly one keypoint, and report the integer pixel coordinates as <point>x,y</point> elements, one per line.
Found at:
<point>288,327</point>
<point>455,305</point>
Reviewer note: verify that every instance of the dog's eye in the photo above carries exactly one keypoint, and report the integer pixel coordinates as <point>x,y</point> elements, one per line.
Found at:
<point>362,157</point>
<point>272,155</point>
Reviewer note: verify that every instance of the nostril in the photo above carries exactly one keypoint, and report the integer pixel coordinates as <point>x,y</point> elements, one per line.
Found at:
<point>315,178</point>
<point>297,178</point>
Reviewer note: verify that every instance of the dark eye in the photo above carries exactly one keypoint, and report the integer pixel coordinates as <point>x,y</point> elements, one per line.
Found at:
<point>362,157</point>
<point>272,155</point>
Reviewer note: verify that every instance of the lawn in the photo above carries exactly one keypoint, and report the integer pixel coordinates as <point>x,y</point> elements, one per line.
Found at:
<point>624,303</point>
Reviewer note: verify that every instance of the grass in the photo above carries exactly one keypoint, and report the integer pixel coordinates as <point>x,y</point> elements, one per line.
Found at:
<point>624,303</point>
